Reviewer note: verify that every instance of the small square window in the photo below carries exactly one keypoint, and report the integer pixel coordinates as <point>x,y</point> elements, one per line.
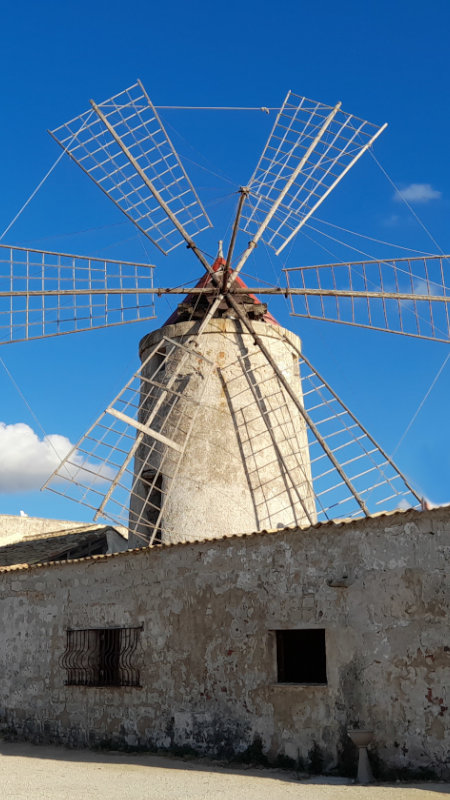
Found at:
<point>301,656</point>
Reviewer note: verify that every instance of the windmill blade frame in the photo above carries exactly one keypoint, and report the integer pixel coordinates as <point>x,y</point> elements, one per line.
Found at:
<point>143,432</point>
<point>357,451</point>
<point>310,149</point>
<point>408,296</point>
<point>125,466</point>
<point>45,293</point>
<point>124,148</point>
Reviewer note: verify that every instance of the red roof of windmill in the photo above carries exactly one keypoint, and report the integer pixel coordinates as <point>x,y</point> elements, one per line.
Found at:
<point>205,280</point>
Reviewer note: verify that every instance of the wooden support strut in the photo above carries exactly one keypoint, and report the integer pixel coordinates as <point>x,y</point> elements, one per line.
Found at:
<point>244,192</point>
<point>207,290</point>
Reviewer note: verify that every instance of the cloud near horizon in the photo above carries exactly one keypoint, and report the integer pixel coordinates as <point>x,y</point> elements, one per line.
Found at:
<point>26,461</point>
<point>417,193</point>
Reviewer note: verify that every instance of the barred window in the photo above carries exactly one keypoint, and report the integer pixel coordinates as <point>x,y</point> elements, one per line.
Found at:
<point>101,657</point>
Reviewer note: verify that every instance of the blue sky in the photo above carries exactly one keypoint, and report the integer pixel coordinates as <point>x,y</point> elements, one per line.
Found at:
<point>386,61</point>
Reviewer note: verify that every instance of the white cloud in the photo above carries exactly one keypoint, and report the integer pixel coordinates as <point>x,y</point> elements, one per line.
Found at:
<point>26,461</point>
<point>430,288</point>
<point>418,193</point>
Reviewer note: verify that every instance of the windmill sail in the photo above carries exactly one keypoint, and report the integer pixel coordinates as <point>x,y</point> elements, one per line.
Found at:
<point>124,467</point>
<point>123,147</point>
<point>410,296</point>
<point>314,484</point>
<point>310,149</point>
<point>48,294</point>
<point>375,478</point>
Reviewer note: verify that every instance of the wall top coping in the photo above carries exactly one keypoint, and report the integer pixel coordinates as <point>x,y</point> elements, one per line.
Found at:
<point>403,515</point>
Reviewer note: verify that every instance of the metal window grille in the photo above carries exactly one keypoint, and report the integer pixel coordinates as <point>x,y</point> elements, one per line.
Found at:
<point>101,657</point>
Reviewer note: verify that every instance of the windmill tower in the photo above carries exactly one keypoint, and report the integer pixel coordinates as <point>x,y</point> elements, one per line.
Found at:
<point>226,426</point>
<point>246,464</point>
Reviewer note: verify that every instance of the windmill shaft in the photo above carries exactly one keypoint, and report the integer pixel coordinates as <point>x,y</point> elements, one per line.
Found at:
<point>243,195</point>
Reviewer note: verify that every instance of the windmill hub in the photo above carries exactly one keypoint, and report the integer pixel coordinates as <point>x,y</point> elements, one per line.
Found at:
<point>196,306</point>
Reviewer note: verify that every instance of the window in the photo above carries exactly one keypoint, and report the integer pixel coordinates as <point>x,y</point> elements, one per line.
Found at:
<point>101,657</point>
<point>301,656</point>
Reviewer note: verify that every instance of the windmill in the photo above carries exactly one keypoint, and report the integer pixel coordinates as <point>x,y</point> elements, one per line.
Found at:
<point>226,415</point>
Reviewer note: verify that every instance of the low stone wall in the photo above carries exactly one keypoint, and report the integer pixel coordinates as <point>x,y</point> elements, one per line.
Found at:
<point>207,652</point>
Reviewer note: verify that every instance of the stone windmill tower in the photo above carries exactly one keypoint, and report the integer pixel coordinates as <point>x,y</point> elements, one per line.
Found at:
<point>226,427</point>
<point>246,465</point>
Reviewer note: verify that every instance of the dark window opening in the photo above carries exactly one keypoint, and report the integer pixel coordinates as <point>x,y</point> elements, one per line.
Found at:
<point>153,503</point>
<point>101,657</point>
<point>301,656</point>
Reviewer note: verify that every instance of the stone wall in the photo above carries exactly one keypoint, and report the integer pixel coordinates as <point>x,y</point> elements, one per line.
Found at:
<point>378,587</point>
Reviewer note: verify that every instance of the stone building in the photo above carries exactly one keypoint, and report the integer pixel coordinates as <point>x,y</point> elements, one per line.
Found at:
<point>33,540</point>
<point>273,643</point>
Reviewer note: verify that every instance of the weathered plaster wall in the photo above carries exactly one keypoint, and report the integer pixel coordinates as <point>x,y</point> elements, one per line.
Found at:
<point>208,669</point>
